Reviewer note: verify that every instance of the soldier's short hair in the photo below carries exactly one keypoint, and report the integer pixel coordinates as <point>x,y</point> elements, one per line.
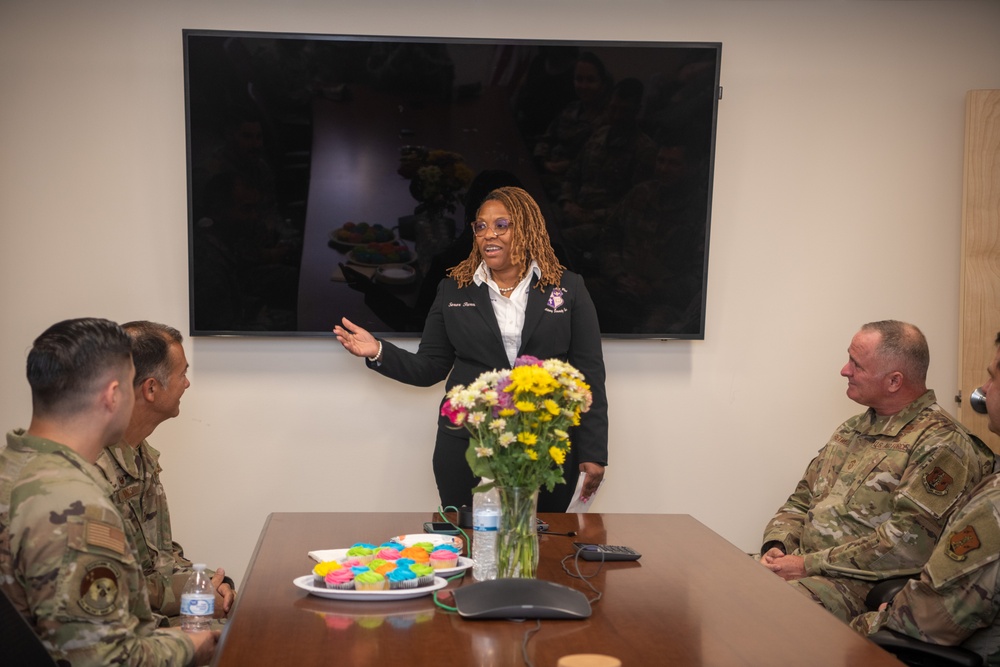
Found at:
<point>150,348</point>
<point>68,359</point>
<point>905,344</point>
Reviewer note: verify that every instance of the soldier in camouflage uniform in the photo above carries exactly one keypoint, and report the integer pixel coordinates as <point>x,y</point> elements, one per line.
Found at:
<point>65,560</point>
<point>956,600</point>
<point>132,468</point>
<point>876,498</point>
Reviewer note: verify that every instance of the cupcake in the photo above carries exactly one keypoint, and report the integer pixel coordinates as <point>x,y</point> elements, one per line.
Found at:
<point>405,562</point>
<point>426,546</point>
<point>425,574</point>
<point>351,562</point>
<point>322,569</point>
<point>450,547</point>
<point>363,553</point>
<point>384,567</point>
<point>443,559</point>
<point>387,553</point>
<point>391,544</point>
<point>402,577</point>
<point>418,554</point>
<point>358,569</point>
<point>340,580</point>
<point>370,581</point>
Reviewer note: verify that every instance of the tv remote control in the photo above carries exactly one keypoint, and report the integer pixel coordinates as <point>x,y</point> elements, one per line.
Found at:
<point>606,552</point>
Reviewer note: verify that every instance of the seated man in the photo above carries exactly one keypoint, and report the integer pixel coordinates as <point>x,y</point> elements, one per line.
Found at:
<point>65,561</point>
<point>956,600</point>
<point>876,498</point>
<point>132,468</point>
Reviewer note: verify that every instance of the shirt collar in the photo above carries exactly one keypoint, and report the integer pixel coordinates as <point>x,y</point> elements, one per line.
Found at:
<point>482,273</point>
<point>891,425</point>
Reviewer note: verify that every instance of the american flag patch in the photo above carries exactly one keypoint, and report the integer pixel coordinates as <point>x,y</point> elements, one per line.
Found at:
<point>107,536</point>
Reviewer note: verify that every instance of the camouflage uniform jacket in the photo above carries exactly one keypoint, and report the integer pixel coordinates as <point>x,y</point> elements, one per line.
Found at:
<point>134,475</point>
<point>876,498</point>
<point>956,600</point>
<point>67,565</point>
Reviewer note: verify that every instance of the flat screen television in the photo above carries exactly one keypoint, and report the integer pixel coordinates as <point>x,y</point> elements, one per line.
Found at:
<point>336,175</point>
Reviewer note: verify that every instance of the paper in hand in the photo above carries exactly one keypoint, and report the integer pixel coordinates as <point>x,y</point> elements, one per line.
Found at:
<point>579,504</point>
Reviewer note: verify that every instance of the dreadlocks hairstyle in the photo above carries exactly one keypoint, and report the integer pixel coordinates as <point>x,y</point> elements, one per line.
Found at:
<point>528,240</point>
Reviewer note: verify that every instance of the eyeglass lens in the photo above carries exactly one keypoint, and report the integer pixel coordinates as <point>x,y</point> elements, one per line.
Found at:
<point>499,227</point>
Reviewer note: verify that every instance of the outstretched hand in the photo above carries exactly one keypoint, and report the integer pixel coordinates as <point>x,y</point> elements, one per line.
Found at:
<point>356,340</point>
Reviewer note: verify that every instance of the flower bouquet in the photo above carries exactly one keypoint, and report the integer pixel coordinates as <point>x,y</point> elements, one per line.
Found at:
<point>436,178</point>
<point>519,421</point>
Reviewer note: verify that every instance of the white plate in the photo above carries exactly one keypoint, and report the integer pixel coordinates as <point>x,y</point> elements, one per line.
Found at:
<point>395,274</point>
<point>305,583</point>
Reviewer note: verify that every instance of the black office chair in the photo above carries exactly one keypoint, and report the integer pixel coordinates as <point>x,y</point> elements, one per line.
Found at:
<point>21,646</point>
<point>912,651</point>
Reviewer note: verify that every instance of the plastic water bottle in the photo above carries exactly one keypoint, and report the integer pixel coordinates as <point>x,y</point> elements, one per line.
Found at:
<point>485,522</point>
<point>197,601</point>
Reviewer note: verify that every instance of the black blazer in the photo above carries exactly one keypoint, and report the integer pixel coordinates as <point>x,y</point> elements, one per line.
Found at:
<point>461,337</point>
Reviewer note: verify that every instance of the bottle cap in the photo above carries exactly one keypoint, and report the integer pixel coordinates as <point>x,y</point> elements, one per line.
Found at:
<point>198,567</point>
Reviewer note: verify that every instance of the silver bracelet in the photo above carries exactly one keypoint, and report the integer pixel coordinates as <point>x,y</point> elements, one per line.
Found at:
<point>378,355</point>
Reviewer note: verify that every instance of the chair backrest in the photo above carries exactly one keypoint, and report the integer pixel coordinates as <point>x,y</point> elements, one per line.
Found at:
<point>21,646</point>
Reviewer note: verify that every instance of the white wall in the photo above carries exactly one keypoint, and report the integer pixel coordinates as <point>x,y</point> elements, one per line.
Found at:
<point>837,201</point>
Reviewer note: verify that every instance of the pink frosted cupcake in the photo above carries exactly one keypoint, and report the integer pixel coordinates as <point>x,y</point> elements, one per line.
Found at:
<point>387,553</point>
<point>443,559</point>
<point>340,580</point>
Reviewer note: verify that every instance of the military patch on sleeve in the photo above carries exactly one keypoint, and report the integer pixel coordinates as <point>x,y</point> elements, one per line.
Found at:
<point>937,481</point>
<point>962,542</point>
<point>104,535</point>
<point>99,588</point>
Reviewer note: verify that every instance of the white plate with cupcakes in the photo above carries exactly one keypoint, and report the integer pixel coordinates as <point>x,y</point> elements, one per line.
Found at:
<point>308,584</point>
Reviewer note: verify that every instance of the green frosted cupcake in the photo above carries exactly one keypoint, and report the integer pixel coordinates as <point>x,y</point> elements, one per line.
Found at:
<point>370,581</point>
<point>425,574</point>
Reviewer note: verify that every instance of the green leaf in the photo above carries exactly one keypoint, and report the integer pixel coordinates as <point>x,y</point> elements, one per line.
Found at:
<point>480,466</point>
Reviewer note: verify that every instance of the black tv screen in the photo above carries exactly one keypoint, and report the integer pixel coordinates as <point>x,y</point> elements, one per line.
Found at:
<point>336,175</point>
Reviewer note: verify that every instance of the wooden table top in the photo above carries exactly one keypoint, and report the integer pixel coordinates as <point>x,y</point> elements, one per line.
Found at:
<point>692,599</point>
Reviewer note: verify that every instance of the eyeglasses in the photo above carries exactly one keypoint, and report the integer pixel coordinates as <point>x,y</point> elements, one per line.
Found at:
<point>499,227</point>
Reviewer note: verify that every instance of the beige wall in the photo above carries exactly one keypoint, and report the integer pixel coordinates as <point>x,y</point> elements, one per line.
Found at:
<point>837,201</point>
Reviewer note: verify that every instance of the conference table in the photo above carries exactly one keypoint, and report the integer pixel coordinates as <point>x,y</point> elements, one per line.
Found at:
<point>692,599</point>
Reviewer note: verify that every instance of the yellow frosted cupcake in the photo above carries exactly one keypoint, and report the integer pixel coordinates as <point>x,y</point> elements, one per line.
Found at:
<point>320,570</point>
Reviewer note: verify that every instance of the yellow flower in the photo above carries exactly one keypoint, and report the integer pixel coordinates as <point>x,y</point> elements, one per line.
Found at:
<point>552,407</point>
<point>508,412</point>
<point>532,454</point>
<point>560,434</point>
<point>558,455</point>
<point>525,406</point>
<point>527,438</point>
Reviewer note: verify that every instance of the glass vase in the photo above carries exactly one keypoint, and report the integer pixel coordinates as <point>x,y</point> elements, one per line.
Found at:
<point>517,536</point>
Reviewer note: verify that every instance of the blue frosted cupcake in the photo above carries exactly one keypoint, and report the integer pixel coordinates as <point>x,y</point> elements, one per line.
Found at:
<point>401,578</point>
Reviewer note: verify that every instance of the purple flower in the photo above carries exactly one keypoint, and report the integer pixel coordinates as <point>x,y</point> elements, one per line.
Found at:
<point>527,360</point>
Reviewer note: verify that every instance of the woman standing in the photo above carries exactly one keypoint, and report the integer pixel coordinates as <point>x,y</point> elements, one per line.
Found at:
<point>509,298</point>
